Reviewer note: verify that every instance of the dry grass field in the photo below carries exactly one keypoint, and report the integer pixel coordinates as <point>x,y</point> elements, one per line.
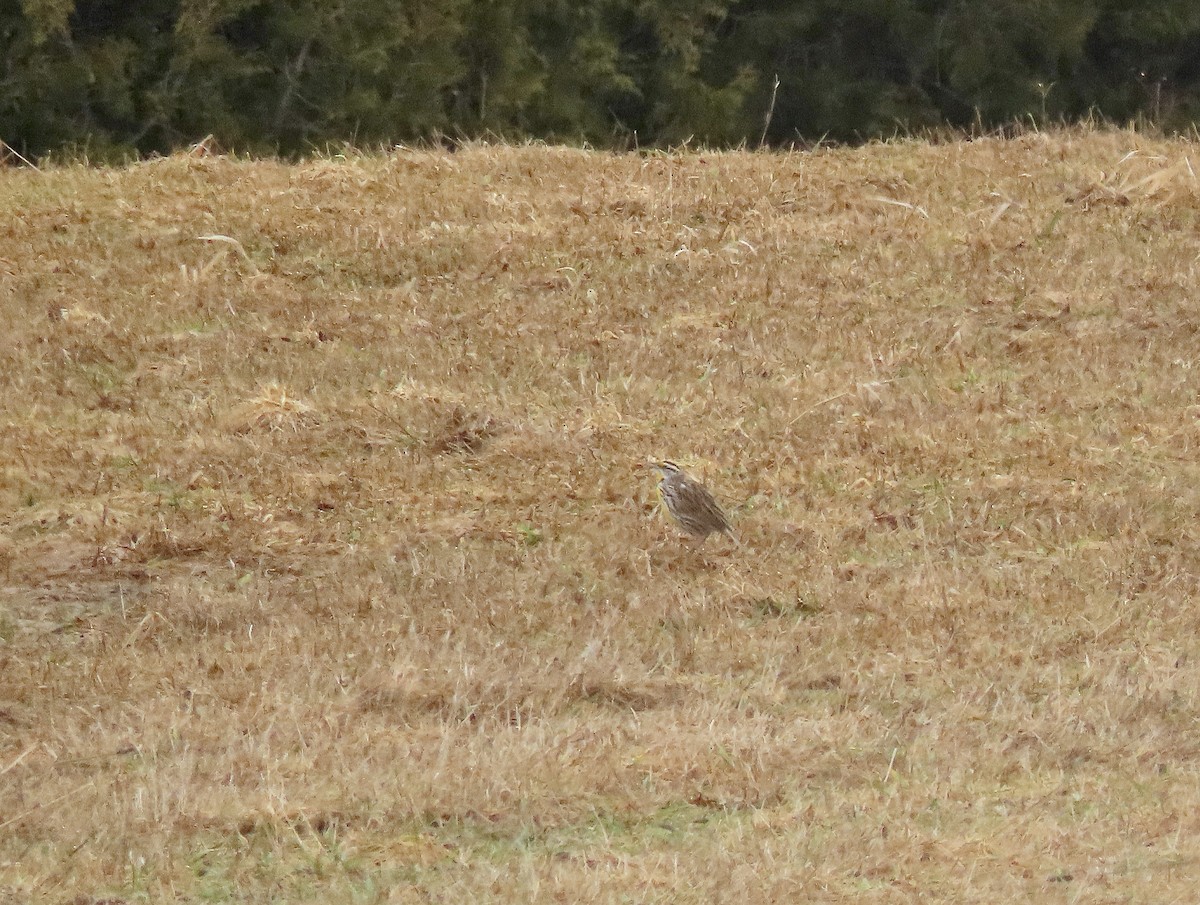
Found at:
<point>330,570</point>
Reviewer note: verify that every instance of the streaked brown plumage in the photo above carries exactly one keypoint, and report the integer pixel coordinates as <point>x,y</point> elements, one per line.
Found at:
<point>689,503</point>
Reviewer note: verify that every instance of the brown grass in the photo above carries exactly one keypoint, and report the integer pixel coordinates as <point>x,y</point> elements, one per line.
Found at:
<point>328,571</point>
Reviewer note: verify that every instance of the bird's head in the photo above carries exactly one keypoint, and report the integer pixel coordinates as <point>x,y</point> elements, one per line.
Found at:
<point>665,467</point>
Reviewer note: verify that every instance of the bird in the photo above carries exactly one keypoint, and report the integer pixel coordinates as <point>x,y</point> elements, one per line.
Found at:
<point>689,503</point>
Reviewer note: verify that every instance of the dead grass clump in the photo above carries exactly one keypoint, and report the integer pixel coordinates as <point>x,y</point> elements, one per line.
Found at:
<point>273,409</point>
<point>1142,176</point>
<point>464,431</point>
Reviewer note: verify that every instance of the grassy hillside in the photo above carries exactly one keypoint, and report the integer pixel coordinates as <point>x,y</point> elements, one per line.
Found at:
<point>330,570</point>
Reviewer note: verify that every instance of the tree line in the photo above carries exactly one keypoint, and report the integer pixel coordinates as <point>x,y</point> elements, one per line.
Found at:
<point>120,77</point>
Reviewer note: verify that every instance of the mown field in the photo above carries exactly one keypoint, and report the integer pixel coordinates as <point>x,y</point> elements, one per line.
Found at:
<point>330,570</point>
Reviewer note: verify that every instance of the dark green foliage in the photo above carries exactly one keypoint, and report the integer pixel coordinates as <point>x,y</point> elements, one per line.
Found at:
<point>120,77</point>
<point>1143,61</point>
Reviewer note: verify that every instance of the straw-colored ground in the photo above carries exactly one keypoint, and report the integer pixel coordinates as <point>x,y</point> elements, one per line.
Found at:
<point>329,571</point>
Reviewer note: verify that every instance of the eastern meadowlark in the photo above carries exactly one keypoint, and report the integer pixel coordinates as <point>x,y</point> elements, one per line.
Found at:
<point>689,503</point>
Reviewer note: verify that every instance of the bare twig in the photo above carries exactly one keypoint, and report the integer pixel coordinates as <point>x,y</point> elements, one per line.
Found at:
<point>292,72</point>
<point>40,805</point>
<point>770,112</point>
<point>5,146</point>
<point>813,408</point>
<point>20,757</point>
